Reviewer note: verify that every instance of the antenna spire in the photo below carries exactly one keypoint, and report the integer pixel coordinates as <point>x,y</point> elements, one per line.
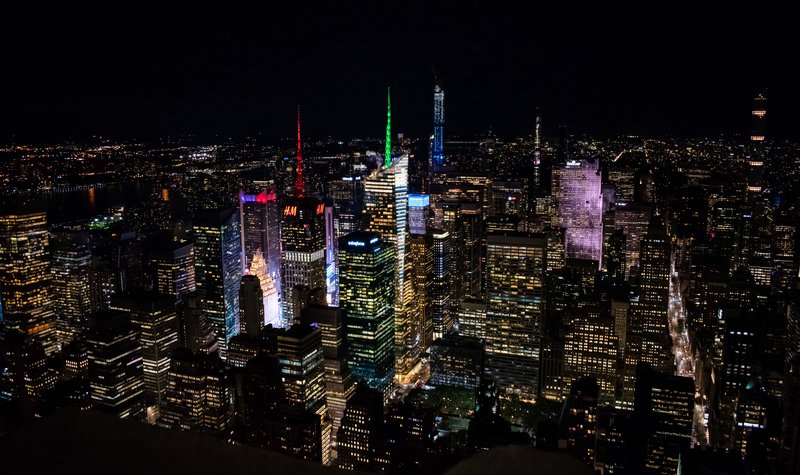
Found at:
<point>387,154</point>
<point>299,187</point>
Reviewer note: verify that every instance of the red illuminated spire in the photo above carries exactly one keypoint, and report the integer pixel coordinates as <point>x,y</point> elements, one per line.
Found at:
<point>299,187</point>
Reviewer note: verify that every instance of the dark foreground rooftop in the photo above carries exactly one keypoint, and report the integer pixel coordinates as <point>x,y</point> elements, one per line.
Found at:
<point>91,442</point>
<point>521,460</point>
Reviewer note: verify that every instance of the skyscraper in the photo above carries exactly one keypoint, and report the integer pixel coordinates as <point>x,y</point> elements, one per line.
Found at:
<point>367,299</point>
<point>591,349</point>
<point>72,258</point>
<point>172,266</point>
<point>442,286</point>
<point>269,291</point>
<point>218,271</point>
<point>25,279</point>
<point>515,266</point>
<point>156,317</point>
<point>386,204</point>
<point>576,189</point>
<point>758,127</point>
<point>260,216</point>
<point>437,153</point>
<point>303,256</point>
<point>251,305</point>
<point>115,365</point>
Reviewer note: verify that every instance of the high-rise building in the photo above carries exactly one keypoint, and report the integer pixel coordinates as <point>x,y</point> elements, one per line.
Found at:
<point>442,287</point>
<point>421,277</point>
<point>576,188</point>
<point>260,216</point>
<point>303,367</point>
<point>663,413</point>
<point>197,396</point>
<point>218,271</point>
<point>24,373</point>
<point>579,418</point>
<point>758,127</point>
<point>634,220</point>
<point>116,374</point>
<point>472,318</point>
<point>361,431</point>
<point>339,379</point>
<point>386,205</point>
<point>457,361</point>
<point>515,265</point>
<point>269,291</point>
<point>303,256</point>
<point>71,259</point>
<point>155,314</point>
<point>647,338</point>
<point>194,331</point>
<point>25,278</point>
<point>366,289</point>
<point>172,266</point>
<point>591,350</point>
<point>437,148</point>
<point>419,213</point>
<point>251,305</point>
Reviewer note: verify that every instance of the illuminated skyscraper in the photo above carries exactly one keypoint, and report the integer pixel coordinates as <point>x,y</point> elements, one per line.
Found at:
<point>269,292</point>
<point>419,213</point>
<point>367,299</point>
<point>303,258</point>
<point>218,272</point>
<point>576,188</point>
<point>156,317</point>
<point>515,268</point>
<point>647,338</point>
<point>172,266</point>
<point>259,214</point>
<point>421,276</point>
<point>591,349</point>
<point>303,367</point>
<point>437,153</point>
<point>72,258</point>
<point>442,287</point>
<point>758,127</point>
<point>115,365</point>
<point>25,278</point>
<point>386,204</point>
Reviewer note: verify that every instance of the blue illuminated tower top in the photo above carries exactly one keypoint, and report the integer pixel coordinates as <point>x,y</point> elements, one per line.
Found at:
<point>438,126</point>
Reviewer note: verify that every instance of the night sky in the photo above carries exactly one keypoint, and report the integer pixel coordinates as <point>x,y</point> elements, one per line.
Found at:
<point>130,71</point>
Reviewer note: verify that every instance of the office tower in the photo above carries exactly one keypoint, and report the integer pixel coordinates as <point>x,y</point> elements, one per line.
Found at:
<point>647,338</point>
<point>386,204</point>
<point>576,188</point>
<point>71,259</point>
<point>472,318</point>
<point>347,194</point>
<point>591,350</point>
<point>25,279</point>
<point>442,285</point>
<point>259,391</point>
<point>102,284</point>
<point>303,256</point>
<point>116,373</point>
<point>24,375</point>
<point>515,307</point>
<point>76,359</point>
<point>784,235</point>
<point>367,294</point>
<point>194,331</point>
<point>579,418</point>
<point>437,148</point>
<point>360,435</point>
<point>508,197</point>
<point>155,314</point>
<point>419,213</point>
<point>218,272</point>
<point>421,277</point>
<point>251,305</point>
<point>331,258</point>
<point>303,367</point>
<point>457,361</point>
<point>339,379</point>
<point>634,220</point>
<point>616,262</point>
<point>197,396</point>
<point>258,213</point>
<point>613,429</point>
<point>172,266</point>
<point>663,412</point>
<point>758,127</point>
<point>269,291</point>
<point>740,351</point>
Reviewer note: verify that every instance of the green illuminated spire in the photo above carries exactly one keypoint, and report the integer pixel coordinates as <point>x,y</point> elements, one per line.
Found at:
<point>387,154</point>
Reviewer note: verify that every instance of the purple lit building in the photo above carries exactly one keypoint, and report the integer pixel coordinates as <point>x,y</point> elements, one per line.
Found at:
<point>576,188</point>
